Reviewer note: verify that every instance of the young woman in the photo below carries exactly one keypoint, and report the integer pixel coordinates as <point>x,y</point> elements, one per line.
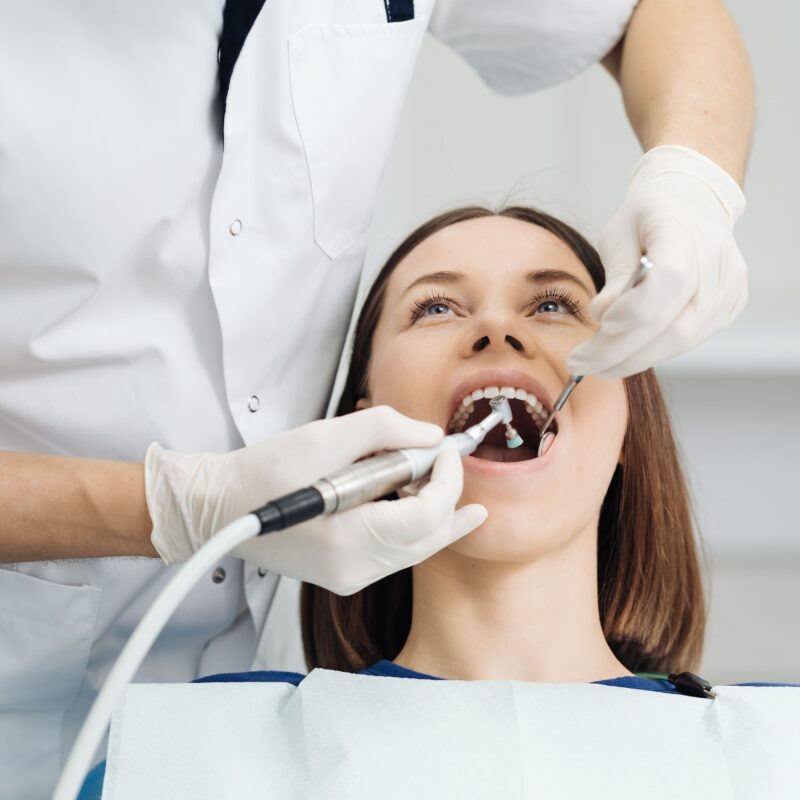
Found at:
<point>586,567</point>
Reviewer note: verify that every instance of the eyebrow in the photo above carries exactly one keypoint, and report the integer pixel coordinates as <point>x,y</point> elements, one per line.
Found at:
<point>555,275</point>
<point>443,276</point>
<point>536,276</point>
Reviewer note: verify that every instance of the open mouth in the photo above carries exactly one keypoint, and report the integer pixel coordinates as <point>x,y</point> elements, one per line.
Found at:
<point>530,414</point>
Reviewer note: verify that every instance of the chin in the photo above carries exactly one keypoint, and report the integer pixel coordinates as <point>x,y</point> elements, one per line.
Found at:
<point>511,535</point>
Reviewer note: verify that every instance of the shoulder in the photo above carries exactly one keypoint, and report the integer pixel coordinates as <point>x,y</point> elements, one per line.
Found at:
<point>294,678</point>
<point>92,788</point>
<point>528,46</point>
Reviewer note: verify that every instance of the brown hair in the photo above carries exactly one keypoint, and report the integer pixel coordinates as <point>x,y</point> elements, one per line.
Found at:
<point>651,599</point>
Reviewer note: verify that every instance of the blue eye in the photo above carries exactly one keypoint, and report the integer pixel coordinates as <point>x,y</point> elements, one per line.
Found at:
<point>554,300</point>
<point>432,305</point>
<point>550,307</point>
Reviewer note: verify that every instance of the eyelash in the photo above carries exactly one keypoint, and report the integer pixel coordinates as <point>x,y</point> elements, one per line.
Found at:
<point>557,294</point>
<point>421,305</point>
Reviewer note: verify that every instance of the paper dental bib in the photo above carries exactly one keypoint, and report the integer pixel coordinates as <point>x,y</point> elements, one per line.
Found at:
<point>345,737</point>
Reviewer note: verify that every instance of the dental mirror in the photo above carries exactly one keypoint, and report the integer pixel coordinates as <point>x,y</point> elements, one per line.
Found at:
<point>545,436</point>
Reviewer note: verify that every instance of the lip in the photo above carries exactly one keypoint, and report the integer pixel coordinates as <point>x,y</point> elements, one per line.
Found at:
<point>499,378</point>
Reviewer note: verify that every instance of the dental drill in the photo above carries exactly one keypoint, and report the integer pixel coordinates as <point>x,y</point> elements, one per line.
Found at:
<point>375,477</point>
<point>361,482</point>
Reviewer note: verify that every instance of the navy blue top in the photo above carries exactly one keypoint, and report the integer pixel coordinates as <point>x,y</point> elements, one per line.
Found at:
<point>93,785</point>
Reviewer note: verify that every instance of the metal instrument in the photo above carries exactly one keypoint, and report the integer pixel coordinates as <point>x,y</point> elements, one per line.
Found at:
<point>639,274</point>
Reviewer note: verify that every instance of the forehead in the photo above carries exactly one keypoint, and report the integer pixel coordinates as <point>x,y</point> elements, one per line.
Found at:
<point>489,248</point>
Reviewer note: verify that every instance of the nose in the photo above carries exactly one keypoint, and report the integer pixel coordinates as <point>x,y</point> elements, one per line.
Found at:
<point>500,333</point>
<point>485,341</point>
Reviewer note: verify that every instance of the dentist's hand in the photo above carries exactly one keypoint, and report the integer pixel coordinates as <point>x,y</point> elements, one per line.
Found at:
<point>680,211</point>
<point>191,497</point>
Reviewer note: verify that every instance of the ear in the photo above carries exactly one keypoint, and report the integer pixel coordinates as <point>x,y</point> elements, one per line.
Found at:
<point>363,403</point>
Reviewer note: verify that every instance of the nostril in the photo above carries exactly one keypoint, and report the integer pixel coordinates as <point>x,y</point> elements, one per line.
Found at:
<point>481,344</point>
<point>515,343</point>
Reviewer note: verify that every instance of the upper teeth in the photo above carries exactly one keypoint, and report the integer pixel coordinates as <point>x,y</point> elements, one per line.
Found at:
<point>533,405</point>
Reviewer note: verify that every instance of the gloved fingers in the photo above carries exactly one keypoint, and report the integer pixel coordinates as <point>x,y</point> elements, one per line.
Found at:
<point>720,297</point>
<point>715,306</point>
<point>405,522</point>
<point>438,497</point>
<point>733,289</point>
<point>602,357</point>
<point>413,487</point>
<point>688,330</point>
<point>612,356</point>
<point>616,365</point>
<point>288,460</point>
<point>465,520</point>
<point>454,527</point>
<point>605,356</point>
<point>365,432</point>
<point>738,301</point>
<point>671,284</point>
<point>620,252</point>
<point>646,312</point>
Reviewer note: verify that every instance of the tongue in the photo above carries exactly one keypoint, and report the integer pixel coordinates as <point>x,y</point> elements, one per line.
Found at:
<point>493,452</point>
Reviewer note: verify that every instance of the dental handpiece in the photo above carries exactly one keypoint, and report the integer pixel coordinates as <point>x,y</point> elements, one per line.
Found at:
<point>375,477</point>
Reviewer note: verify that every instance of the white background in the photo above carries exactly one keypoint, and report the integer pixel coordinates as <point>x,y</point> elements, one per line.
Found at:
<point>735,400</point>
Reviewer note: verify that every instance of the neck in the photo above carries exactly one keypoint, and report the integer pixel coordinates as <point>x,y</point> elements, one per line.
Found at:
<point>488,620</point>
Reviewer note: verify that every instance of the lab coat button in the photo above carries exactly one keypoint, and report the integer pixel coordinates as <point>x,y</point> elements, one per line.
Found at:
<point>218,575</point>
<point>254,403</point>
<point>261,572</point>
<point>235,227</point>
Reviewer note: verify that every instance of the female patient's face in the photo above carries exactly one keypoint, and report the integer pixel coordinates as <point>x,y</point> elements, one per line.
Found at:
<point>473,307</point>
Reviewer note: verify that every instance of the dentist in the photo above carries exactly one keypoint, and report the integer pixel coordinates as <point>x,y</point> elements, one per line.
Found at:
<point>185,194</point>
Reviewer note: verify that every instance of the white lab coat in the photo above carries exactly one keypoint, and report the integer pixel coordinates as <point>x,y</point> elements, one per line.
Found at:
<point>154,287</point>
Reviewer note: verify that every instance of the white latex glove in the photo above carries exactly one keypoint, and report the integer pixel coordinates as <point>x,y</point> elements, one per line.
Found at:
<point>191,497</point>
<point>680,210</point>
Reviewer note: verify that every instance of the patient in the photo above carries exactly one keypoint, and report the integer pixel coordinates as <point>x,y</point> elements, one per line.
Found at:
<point>586,568</point>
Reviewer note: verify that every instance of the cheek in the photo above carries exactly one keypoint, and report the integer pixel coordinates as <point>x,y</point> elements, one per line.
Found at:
<point>553,342</point>
<point>600,417</point>
<point>405,373</point>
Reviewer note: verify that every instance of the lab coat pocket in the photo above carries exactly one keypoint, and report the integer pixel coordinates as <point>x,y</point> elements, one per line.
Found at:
<point>348,84</point>
<point>46,631</point>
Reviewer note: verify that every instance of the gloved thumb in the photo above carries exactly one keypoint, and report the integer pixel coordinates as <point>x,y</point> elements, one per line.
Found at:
<point>610,292</point>
<point>466,520</point>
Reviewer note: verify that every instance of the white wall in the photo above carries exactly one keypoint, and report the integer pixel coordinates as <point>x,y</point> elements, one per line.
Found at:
<point>569,150</point>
